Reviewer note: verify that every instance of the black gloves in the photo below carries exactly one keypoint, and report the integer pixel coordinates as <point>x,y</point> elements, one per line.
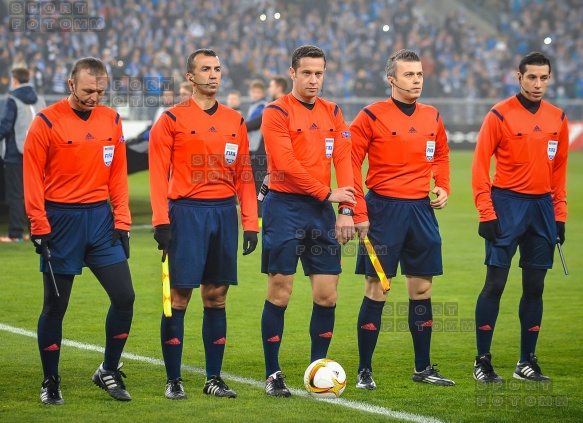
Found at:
<point>41,243</point>
<point>489,230</point>
<point>560,232</point>
<point>163,236</point>
<point>124,236</point>
<point>249,242</point>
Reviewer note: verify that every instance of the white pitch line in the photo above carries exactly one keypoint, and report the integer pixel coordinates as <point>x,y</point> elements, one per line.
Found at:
<point>355,405</point>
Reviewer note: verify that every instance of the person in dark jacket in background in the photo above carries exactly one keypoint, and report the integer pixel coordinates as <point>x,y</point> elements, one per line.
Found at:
<point>21,107</point>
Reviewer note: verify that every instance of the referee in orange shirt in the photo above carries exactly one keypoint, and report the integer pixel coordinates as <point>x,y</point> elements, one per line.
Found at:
<point>199,167</point>
<point>74,162</point>
<point>407,146</point>
<point>524,207</point>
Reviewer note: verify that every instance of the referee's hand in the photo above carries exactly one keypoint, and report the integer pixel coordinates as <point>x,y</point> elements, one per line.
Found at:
<point>41,244</point>
<point>343,195</point>
<point>344,228</point>
<point>249,242</point>
<point>124,237</point>
<point>163,236</point>
<point>489,230</point>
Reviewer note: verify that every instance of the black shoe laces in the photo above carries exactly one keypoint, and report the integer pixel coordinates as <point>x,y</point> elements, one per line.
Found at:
<point>486,364</point>
<point>175,384</point>
<point>279,381</point>
<point>52,386</point>
<point>117,376</point>
<point>366,376</point>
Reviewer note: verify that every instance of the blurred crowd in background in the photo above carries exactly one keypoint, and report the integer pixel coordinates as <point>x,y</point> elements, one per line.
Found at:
<point>152,40</point>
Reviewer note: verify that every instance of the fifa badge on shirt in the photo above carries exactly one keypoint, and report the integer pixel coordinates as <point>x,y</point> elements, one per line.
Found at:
<point>231,153</point>
<point>552,149</point>
<point>108,154</point>
<point>430,150</point>
<point>329,147</point>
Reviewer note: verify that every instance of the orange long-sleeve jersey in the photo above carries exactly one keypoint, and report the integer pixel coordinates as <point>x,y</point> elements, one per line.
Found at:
<point>531,155</point>
<point>73,161</point>
<point>404,152</point>
<point>196,155</point>
<point>301,144</point>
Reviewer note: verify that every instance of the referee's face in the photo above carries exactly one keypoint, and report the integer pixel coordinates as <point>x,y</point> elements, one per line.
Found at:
<point>87,90</point>
<point>534,82</point>
<point>206,75</point>
<point>308,78</point>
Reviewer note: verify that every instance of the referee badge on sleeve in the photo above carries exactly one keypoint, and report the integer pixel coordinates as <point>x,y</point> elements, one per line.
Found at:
<point>231,153</point>
<point>552,149</point>
<point>108,154</point>
<point>430,150</point>
<point>329,147</point>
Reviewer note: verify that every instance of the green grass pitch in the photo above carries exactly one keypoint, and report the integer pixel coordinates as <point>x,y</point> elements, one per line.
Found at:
<point>560,343</point>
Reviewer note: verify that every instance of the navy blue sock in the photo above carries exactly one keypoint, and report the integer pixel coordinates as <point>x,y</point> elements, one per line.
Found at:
<point>272,321</point>
<point>321,330</point>
<point>420,325</point>
<point>214,337</point>
<point>488,306</point>
<point>50,322</point>
<point>367,328</point>
<point>117,330</point>
<point>49,336</point>
<point>530,312</point>
<point>172,337</point>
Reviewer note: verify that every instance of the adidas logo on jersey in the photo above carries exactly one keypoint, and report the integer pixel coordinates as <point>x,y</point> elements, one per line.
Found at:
<point>537,129</point>
<point>89,136</point>
<point>212,129</point>
<point>314,126</point>
<point>412,130</point>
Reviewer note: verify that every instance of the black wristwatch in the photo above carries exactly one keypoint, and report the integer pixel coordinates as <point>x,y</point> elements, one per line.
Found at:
<point>346,211</point>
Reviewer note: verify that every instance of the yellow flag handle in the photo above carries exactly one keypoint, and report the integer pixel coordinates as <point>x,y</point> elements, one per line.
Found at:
<point>386,282</point>
<point>166,301</point>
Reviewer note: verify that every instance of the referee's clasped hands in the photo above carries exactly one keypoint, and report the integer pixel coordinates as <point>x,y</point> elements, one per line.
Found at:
<point>343,195</point>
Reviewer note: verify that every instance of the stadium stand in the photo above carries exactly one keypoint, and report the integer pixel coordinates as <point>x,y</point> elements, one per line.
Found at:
<point>148,40</point>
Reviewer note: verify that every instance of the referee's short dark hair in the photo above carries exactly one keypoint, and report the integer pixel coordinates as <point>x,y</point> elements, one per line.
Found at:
<point>535,58</point>
<point>92,65</point>
<point>306,51</point>
<point>204,51</point>
<point>405,56</point>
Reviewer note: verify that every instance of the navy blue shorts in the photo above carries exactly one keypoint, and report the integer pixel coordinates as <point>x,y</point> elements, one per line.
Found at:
<point>81,236</point>
<point>299,226</point>
<point>401,231</point>
<point>205,235</point>
<point>526,221</point>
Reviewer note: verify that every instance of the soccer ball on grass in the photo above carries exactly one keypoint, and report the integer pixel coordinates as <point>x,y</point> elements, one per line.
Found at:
<point>325,378</point>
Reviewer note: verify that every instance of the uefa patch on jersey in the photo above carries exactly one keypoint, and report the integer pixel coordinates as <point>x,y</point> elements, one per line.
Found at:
<point>329,147</point>
<point>122,139</point>
<point>108,154</point>
<point>552,149</point>
<point>345,134</point>
<point>430,150</point>
<point>231,153</point>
